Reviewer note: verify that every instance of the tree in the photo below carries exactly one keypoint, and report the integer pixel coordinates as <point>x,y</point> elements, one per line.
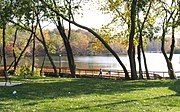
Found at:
<point>131,49</point>
<point>65,37</point>
<point>140,44</point>
<point>5,15</point>
<point>94,33</point>
<point>33,53</point>
<point>25,17</point>
<point>79,42</point>
<point>124,19</point>
<point>14,42</point>
<point>44,43</point>
<point>170,14</point>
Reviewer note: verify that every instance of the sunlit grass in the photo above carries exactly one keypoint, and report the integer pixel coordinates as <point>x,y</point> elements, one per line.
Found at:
<point>90,95</point>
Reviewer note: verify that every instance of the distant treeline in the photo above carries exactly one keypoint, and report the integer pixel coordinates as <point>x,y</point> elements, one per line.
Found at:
<point>82,43</point>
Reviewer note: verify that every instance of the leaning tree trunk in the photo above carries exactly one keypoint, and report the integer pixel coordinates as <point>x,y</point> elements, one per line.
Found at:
<point>44,43</point>
<point>14,54</point>
<point>95,34</point>
<point>15,38</point>
<point>103,42</point>
<point>27,44</point>
<point>145,64</point>
<point>131,49</point>
<point>46,49</point>
<point>21,54</point>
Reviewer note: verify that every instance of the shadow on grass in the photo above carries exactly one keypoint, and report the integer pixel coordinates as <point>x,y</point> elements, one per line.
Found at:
<point>101,105</point>
<point>176,87</point>
<point>53,88</point>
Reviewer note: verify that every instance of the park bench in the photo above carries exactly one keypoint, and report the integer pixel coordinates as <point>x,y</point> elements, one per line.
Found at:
<point>5,76</point>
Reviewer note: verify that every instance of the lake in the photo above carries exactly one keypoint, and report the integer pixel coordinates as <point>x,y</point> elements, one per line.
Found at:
<point>155,61</point>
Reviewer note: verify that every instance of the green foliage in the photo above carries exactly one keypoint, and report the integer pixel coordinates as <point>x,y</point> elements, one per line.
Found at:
<point>36,72</point>
<point>52,48</point>
<point>141,4</point>
<point>24,71</point>
<point>105,33</point>
<point>5,12</point>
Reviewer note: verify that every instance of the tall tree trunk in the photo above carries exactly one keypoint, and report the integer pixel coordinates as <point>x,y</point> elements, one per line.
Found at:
<point>171,71</point>
<point>4,52</point>
<point>131,49</point>
<point>66,39</point>
<point>168,61</point>
<point>141,40</point>
<point>172,41</point>
<point>68,49</point>
<point>33,54</point>
<point>139,60</point>
<point>4,47</point>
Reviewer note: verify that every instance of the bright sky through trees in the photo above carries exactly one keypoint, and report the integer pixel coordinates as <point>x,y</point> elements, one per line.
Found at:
<point>90,16</point>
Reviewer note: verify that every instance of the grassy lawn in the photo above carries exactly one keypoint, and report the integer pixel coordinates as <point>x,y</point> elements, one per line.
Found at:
<point>90,95</point>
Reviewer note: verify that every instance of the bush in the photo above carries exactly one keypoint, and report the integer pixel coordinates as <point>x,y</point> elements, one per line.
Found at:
<point>24,71</point>
<point>36,72</point>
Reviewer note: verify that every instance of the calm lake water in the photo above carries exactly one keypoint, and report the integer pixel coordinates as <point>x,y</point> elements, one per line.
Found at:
<point>155,61</point>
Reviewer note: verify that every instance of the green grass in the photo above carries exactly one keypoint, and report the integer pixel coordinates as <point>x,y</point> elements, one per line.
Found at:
<point>90,95</point>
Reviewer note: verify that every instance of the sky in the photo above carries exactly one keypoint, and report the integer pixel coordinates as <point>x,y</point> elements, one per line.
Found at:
<point>91,18</point>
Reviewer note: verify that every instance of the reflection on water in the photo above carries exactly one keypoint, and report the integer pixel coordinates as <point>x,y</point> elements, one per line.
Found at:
<point>106,62</point>
<point>155,61</point>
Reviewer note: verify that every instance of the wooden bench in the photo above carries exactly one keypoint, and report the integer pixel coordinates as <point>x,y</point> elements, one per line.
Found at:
<point>5,76</point>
